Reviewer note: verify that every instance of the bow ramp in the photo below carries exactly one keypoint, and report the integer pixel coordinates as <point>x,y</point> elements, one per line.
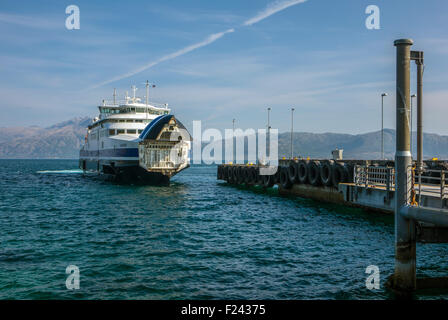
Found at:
<point>164,146</point>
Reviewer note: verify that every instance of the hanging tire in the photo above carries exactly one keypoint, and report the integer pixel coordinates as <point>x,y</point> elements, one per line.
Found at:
<point>314,173</point>
<point>229,174</point>
<point>240,178</point>
<point>276,175</point>
<point>285,182</point>
<point>244,175</point>
<point>268,181</point>
<point>219,173</point>
<point>235,174</point>
<point>340,174</point>
<point>303,171</point>
<point>224,173</point>
<point>259,178</point>
<point>293,172</point>
<point>252,175</point>
<point>247,175</point>
<point>326,173</point>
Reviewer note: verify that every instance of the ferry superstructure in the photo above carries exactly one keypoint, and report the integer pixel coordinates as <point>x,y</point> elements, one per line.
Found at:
<point>132,141</point>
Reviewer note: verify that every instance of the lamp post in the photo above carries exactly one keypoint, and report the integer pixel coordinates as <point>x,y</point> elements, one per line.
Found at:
<point>233,141</point>
<point>292,129</point>
<point>382,124</point>
<point>412,111</point>
<point>268,133</point>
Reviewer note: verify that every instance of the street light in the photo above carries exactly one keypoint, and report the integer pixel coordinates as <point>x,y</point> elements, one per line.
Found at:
<point>292,128</point>
<point>382,124</point>
<point>412,111</point>
<point>268,133</point>
<point>233,142</point>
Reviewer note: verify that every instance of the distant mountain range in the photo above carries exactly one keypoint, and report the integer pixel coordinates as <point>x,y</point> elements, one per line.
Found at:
<point>60,141</point>
<point>63,141</point>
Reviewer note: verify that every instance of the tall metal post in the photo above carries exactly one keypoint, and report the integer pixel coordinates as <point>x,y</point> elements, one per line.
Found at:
<point>382,125</point>
<point>268,153</point>
<point>292,131</point>
<point>233,142</point>
<point>412,123</point>
<point>405,238</point>
<point>147,92</point>
<point>420,112</point>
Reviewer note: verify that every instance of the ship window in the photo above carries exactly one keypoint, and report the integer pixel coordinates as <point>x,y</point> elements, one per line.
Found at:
<point>129,120</point>
<point>132,131</point>
<point>140,131</point>
<point>138,120</point>
<point>121,120</point>
<point>120,131</point>
<point>112,132</point>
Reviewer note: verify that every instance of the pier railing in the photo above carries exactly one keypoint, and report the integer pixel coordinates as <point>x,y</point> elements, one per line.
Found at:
<point>430,182</point>
<point>374,176</point>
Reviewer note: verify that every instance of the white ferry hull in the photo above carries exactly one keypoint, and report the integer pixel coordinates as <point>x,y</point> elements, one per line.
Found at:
<point>159,153</point>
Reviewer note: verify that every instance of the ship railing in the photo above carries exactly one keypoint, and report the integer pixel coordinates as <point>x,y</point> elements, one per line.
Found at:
<point>164,164</point>
<point>117,103</point>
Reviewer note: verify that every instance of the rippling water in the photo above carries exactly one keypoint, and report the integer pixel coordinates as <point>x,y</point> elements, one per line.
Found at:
<point>197,239</point>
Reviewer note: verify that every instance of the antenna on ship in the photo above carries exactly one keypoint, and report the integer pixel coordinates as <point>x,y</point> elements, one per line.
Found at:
<point>147,85</point>
<point>115,94</point>
<point>134,89</point>
<point>126,97</point>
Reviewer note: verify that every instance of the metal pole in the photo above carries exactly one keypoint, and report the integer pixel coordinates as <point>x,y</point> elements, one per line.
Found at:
<point>382,125</point>
<point>269,135</point>
<point>292,130</point>
<point>420,113</point>
<point>233,141</point>
<point>412,123</point>
<point>405,239</point>
<point>147,91</point>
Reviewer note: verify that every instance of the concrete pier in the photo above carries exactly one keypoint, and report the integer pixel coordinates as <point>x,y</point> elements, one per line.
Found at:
<point>366,184</point>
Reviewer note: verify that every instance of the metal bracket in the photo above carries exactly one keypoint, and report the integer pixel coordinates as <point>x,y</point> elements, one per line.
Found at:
<point>417,56</point>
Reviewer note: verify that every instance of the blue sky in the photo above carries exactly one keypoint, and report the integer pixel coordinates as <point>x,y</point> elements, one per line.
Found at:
<point>316,56</point>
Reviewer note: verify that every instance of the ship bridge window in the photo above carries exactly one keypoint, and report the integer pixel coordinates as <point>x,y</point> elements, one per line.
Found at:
<point>131,131</point>
<point>140,131</point>
<point>120,131</point>
<point>112,132</point>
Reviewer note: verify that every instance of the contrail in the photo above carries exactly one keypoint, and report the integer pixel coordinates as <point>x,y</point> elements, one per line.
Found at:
<point>271,9</point>
<point>210,39</point>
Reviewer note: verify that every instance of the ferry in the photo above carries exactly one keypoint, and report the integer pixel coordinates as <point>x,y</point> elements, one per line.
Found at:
<point>131,141</point>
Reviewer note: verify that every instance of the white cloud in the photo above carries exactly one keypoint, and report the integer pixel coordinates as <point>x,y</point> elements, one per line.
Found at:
<point>28,21</point>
